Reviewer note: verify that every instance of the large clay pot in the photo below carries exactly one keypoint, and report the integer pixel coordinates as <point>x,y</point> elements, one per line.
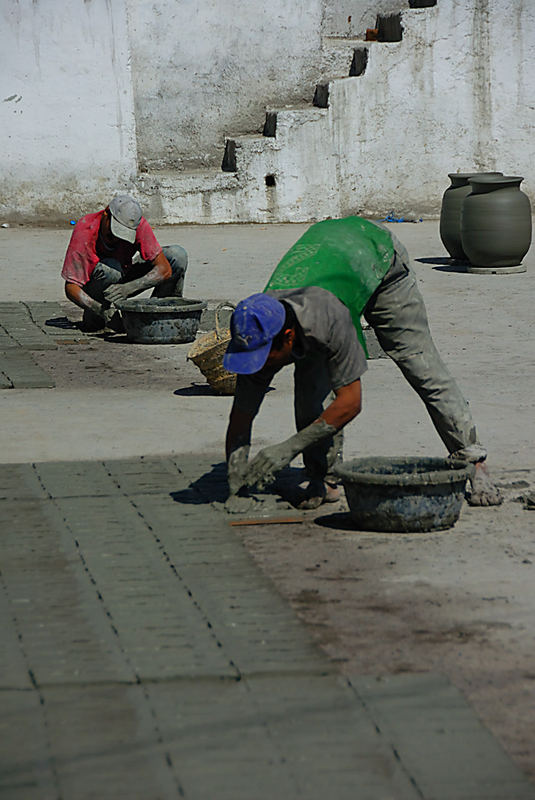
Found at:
<point>496,224</point>
<point>450,212</point>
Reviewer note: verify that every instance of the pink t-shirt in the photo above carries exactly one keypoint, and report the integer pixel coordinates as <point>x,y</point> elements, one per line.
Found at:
<point>82,253</point>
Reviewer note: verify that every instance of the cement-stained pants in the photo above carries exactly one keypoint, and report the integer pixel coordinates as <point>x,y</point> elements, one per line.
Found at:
<point>109,271</point>
<point>312,386</point>
<point>397,314</point>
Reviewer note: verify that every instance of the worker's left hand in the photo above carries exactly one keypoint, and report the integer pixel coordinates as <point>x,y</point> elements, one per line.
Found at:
<point>270,460</point>
<point>117,292</point>
<point>267,463</point>
<point>237,469</point>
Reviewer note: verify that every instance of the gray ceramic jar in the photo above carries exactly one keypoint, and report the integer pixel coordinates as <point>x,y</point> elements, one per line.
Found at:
<point>451,209</point>
<point>496,224</point>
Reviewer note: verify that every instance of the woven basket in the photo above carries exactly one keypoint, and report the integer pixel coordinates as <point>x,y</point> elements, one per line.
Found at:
<point>207,354</point>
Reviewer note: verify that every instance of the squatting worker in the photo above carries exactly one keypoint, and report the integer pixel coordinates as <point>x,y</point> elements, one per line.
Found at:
<point>309,315</point>
<point>99,271</point>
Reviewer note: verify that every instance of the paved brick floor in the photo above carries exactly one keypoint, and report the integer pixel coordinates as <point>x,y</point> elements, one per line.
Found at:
<point>146,656</point>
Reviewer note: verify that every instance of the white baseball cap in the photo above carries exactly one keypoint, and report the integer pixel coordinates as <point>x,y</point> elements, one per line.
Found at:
<point>125,217</point>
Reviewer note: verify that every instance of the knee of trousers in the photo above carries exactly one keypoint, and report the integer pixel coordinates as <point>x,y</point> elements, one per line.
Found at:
<point>177,257</point>
<point>424,371</point>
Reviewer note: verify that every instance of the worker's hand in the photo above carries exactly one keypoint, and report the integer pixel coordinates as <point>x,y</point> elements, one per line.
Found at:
<point>237,469</point>
<point>107,312</point>
<point>117,292</point>
<point>268,462</point>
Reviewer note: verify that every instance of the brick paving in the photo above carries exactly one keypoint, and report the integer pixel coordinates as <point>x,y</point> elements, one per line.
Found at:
<point>146,656</point>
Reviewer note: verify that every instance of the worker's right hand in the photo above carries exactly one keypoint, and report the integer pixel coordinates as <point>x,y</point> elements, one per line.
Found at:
<point>107,313</point>
<point>117,292</point>
<point>237,468</point>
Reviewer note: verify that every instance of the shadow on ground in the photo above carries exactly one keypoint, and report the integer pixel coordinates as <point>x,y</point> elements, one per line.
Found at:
<point>63,322</point>
<point>339,521</point>
<point>443,264</point>
<point>212,487</point>
<point>195,390</point>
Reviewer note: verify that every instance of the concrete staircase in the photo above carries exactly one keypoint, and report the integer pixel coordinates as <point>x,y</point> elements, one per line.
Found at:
<point>308,163</point>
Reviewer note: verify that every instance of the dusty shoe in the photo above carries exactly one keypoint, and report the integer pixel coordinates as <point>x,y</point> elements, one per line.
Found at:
<point>484,491</point>
<point>315,493</point>
<point>115,324</point>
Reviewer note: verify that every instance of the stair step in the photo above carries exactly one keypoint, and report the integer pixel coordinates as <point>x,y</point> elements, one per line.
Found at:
<point>389,27</point>
<point>278,174</point>
<point>190,180</point>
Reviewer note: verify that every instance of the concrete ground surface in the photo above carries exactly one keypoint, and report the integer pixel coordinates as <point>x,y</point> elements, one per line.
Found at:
<point>458,604</point>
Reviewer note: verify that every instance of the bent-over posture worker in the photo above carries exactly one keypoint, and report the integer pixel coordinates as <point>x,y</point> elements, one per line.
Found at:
<point>309,315</point>
<point>98,270</point>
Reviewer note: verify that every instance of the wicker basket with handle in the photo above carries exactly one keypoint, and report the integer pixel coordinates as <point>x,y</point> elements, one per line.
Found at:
<point>207,354</point>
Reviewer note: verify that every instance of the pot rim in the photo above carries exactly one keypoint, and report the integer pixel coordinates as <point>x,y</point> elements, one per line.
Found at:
<point>155,305</point>
<point>465,176</point>
<point>441,470</point>
<point>495,179</point>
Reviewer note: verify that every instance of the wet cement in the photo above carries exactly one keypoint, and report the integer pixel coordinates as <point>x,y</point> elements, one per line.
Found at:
<point>145,655</point>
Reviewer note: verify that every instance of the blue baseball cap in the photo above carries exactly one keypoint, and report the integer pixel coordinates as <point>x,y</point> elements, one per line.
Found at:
<point>254,323</point>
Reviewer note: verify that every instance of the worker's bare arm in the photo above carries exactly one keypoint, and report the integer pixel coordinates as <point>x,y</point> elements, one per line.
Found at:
<point>161,271</point>
<point>345,406</point>
<point>238,431</point>
<point>237,446</point>
<point>265,465</point>
<point>80,298</point>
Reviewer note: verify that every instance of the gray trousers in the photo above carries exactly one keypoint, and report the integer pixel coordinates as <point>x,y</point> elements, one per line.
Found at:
<point>397,314</point>
<point>109,271</point>
<point>312,386</point>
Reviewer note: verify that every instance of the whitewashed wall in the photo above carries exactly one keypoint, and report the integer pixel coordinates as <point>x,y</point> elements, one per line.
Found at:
<point>204,70</point>
<point>93,92</point>
<point>212,67</point>
<point>352,17</point>
<point>67,128</point>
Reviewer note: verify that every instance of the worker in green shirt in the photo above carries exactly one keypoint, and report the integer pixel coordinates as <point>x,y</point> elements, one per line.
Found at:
<point>309,315</point>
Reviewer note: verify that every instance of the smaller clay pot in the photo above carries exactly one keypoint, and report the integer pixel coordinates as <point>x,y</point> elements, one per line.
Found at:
<point>496,224</point>
<point>451,209</point>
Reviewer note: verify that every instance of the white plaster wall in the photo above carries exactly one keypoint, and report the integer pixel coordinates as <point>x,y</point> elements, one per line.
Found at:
<point>76,76</point>
<point>457,94</point>
<point>352,17</point>
<point>511,98</point>
<point>205,70</point>
<point>67,128</point>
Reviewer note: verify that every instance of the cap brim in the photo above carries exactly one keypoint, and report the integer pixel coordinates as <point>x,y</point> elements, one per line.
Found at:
<point>246,362</point>
<point>121,231</point>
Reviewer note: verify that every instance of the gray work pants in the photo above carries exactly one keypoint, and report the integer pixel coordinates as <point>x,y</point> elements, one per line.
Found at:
<point>397,314</point>
<point>312,386</point>
<point>109,271</point>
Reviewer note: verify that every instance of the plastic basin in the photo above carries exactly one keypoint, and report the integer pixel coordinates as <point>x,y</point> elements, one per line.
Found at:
<point>404,495</point>
<point>161,320</point>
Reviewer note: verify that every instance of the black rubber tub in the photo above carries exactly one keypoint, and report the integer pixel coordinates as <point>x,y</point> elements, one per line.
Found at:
<point>403,495</point>
<point>161,320</point>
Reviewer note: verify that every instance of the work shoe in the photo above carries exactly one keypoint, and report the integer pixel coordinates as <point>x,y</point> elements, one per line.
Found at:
<point>316,493</point>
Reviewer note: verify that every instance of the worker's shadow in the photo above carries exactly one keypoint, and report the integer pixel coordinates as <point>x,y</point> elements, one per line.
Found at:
<point>64,323</point>
<point>195,390</point>
<point>444,264</point>
<point>212,487</point>
<point>201,390</point>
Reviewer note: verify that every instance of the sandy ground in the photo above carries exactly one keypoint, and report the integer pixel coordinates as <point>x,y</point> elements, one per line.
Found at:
<point>460,602</point>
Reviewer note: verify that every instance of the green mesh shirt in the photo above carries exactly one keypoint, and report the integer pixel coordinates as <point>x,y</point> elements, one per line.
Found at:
<point>349,257</point>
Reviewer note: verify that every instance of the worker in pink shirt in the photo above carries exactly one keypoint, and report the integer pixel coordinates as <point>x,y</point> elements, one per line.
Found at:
<point>100,269</point>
